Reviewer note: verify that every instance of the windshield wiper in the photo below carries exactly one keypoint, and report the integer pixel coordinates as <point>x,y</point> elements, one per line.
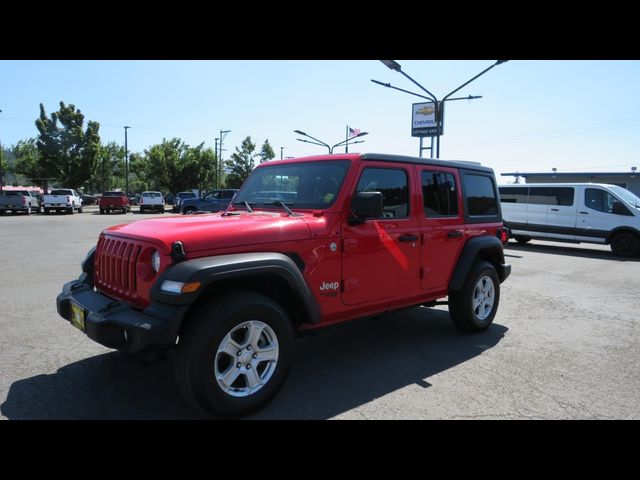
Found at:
<point>284,205</point>
<point>245,204</point>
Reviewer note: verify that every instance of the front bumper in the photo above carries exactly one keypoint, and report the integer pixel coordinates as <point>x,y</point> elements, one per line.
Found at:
<point>107,320</point>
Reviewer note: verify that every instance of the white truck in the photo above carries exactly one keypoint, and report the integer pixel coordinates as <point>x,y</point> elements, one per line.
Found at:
<point>65,199</point>
<point>151,201</point>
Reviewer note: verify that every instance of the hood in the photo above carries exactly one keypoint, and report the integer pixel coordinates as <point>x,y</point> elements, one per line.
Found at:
<point>211,231</point>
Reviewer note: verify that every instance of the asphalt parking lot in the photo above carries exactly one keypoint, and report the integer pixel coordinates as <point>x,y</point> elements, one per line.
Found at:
<point>565,344</point>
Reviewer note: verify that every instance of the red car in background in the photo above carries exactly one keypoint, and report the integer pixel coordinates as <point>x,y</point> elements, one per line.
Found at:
<point>118,201</point>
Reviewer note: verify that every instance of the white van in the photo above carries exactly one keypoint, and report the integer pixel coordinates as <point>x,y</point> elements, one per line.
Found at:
<point>573,212</point>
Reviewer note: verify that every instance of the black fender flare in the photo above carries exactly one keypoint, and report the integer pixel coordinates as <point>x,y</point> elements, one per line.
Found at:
<point>487,247</point>
<point>208,270</point>
<point>622,228</point>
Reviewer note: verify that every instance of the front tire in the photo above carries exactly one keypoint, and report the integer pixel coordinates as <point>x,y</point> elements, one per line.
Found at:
<point>473,308</point>
<point>625,244</point>
<point>521,239</point>
<point>234,354</point>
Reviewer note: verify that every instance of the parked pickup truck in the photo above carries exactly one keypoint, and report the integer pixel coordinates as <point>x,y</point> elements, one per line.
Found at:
<point>180,196</point>
<point>358,235</point>
<point>118,201</point>
<point>19,201</point>
<point>63,199</point>
<point>151,201</point>
<point>214,201</point>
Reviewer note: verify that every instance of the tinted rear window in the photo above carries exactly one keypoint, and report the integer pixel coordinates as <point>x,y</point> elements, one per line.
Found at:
<point>513,194</point>
<point>113,194</point>
<point>480,195</point>
<point>152,194</point>
<point>61,192</point>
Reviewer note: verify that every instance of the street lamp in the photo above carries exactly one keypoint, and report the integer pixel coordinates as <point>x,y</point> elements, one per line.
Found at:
<point>281,150</point>
<point>322,144</point>
<point>393,65</point>
<point>126,160</point>
<point>222,134</point>
<point>1,155</point>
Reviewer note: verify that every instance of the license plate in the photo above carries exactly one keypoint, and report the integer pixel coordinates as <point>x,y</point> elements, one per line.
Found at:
<point>77,316</point>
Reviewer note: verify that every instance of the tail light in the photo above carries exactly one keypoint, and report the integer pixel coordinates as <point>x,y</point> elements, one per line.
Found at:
<point>68,199</point>
<point>24,201</point>
<point>141,200</point>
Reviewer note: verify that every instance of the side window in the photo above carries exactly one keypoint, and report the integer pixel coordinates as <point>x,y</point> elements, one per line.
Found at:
<point>480,195</point>
<point>562,196</point>
<point>439,194</point>
<point>599,200</point>
<point>513,195</point>
<point>393,185</point>
<point>539,196</point>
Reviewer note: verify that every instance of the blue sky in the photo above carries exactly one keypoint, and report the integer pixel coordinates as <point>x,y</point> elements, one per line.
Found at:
<point>534,115</point>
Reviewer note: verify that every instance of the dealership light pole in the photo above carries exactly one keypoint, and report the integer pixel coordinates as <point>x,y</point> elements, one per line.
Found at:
<point>323,144</point>
<point>438,105</point>
<point>126,161</point>
<point>1,155</point>
<point>222,133</point>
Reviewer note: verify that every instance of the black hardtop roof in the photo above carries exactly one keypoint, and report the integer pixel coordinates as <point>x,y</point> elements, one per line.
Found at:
<point>427,161</point>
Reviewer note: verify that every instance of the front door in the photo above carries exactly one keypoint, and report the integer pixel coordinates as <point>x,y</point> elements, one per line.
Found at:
<point>381,256</point>
<point>595,217</point>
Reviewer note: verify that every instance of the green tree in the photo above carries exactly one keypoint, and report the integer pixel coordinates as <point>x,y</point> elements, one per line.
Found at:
<point>173,166</point>
<point>27,161</point>
<point>241,164</point>
<point>110,170</point>
<point>67,152</point>
<point>266,152</point>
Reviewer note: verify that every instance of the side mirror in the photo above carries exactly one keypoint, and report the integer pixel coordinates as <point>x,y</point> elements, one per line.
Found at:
<point>366,205</point>
<point>620,209</point>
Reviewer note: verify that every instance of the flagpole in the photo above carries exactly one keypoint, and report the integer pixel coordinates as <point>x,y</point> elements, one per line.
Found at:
<point>346,145</point>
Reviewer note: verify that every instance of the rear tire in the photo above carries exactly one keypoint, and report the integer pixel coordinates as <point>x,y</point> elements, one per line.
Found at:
<point>80,209</point>
<point>625,244</point>
<point>189,211</point>
<point>234,354</point>
<point>521,239</point>
<point>473,308</point>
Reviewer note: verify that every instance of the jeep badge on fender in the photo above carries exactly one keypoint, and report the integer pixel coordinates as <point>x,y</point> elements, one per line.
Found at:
<point>305,243</point>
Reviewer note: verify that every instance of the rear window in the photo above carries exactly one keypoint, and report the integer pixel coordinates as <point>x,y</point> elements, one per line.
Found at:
<point>513,194</point>
<point>439,194</point>
<point>113,194</point>
<point>152,194</point>
<point>480,195</point>
<point>61,192</point>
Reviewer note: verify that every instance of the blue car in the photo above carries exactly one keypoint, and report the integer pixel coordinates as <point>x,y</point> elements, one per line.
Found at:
<point>213,201</point>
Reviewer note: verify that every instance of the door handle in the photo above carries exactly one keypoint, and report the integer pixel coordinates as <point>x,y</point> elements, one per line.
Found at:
<point>554,209</point>
<point>454,234</point>
<point>583,213</point>
<point>408,237</point>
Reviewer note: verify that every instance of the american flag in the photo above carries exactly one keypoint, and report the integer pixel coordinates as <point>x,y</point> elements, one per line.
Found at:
<point>354,132</point>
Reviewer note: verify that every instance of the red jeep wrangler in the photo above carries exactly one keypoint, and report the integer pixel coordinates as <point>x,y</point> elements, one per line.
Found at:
<point>305,243</point>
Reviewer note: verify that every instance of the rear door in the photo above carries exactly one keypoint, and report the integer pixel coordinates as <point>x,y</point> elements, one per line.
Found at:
<point>441,225</point>
<point>537,210</point>
<point>561,212</point>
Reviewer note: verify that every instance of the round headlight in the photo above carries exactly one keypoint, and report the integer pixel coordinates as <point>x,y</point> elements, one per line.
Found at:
<point>155,261</point>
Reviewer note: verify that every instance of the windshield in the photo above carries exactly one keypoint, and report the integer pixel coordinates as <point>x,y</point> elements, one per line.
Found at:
<point>627,196</point>
<point>303,185</point>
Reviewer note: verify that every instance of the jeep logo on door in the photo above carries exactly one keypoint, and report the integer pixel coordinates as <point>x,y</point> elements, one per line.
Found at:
<point>329,289</point>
